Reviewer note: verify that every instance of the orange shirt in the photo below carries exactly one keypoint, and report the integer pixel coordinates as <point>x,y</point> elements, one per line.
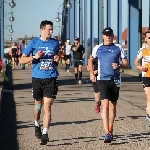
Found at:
<point>146,61</point>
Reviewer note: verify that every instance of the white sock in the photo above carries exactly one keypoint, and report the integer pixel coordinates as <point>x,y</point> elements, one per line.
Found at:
<point>45,131</point>
<point>37,123</point>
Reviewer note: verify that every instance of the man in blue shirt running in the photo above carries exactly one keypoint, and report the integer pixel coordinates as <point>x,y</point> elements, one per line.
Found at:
<point>44,57</point>
<point>109,57</point>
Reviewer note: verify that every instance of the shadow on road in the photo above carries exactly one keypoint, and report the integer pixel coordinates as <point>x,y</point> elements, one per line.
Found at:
<point>8,128</point>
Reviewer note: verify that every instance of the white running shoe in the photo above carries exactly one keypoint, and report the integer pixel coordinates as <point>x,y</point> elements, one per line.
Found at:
<point>80,82</point>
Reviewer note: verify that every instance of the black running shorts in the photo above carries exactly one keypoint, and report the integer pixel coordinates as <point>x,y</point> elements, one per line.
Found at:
<point>77,63</point>
<point>44,88</point>
<point>66,57</point>
<point>146,82</point>
<point>108,90</point>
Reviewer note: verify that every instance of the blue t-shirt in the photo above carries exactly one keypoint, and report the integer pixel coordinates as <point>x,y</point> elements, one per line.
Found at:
<point>44,67</point>
<point>106,56</point>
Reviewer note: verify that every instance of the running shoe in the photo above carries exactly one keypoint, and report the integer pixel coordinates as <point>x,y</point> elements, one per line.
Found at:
<point>38,132</point>
<point>107,138</point>
<point>80,82</point>
<point>44,139</point>
<point>111,134</point>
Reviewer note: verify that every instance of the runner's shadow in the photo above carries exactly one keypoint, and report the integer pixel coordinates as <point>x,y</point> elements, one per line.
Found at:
<point>73,122</point>
<point>131,138</point>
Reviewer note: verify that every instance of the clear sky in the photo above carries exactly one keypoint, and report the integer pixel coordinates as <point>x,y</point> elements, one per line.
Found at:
<point>29,13</point>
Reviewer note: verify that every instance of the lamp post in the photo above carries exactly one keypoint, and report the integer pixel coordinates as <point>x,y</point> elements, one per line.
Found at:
<point>58,20</point>
<point>11,18</point>
<point>68,5</point>
<point>12,4</point>
<point>11,30</point>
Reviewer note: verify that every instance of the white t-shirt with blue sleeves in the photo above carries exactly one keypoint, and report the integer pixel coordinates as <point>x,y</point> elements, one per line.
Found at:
<point>106,56</point>
<point>44,67</point>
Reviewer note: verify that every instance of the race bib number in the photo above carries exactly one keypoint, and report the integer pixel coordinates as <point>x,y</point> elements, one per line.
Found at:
<point>46,64</point>
<point>147,59</point>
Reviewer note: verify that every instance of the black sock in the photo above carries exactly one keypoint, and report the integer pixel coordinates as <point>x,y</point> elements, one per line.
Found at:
<point>80,75</point>
<point>68,65</point>
<point>76,76</point>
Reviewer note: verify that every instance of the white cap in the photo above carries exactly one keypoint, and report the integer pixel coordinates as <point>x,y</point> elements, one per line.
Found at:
<point>68,41</point>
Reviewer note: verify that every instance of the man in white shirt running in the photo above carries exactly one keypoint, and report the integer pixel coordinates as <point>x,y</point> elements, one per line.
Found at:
<point>67,54</point>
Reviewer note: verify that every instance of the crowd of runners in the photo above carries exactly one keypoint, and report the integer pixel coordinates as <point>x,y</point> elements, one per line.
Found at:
<point>104,66</point>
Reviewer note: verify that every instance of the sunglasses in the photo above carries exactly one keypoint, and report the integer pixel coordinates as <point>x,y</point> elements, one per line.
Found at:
<point>148,37</point>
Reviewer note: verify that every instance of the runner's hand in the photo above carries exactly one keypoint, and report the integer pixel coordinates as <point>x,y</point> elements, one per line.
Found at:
<point>92,78</point>
<point>56,58</point>
<point>115,65</point>
<point>39,54</point>
<point>144,69</point>
<point>95,72</point>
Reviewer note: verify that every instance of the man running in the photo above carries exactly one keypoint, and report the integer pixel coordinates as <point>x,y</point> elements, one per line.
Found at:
<point>78,56</point>
<point>109,56</point>
<point>144,54</point>
<point>44,73</point>
<point>67,54</point>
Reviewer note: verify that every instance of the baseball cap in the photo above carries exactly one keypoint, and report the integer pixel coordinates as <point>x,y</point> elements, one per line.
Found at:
<point>68,40</point>
<point>76,38</point>
<point>107,31</point>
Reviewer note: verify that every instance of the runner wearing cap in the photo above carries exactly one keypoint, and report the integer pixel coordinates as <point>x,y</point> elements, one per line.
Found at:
<point>109,57</point>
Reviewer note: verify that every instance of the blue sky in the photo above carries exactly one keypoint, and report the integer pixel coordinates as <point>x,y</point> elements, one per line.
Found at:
<point>29,13</point>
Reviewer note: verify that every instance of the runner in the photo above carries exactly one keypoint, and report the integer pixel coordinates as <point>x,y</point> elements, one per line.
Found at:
<point>44,73</point>
<point>95,85</point>
<point>67,54</point>
<point>78,56</point>
<point>109,56</point>
<point>13,53</point>
<point>144,54</point>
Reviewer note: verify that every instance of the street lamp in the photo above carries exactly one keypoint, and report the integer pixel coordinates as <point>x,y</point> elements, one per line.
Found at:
<point>11,30</point>
<point>12,4</point>
<point>68,5</point>
<point>11,18</point>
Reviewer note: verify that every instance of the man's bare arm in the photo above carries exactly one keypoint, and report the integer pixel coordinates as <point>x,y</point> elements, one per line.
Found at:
<point>90,64</point>
<point>137,63</point>
<point>25,59</point>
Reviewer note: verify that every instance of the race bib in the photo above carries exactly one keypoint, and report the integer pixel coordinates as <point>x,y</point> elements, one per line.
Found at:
<point>46,64</point>
<point>147,59</point>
